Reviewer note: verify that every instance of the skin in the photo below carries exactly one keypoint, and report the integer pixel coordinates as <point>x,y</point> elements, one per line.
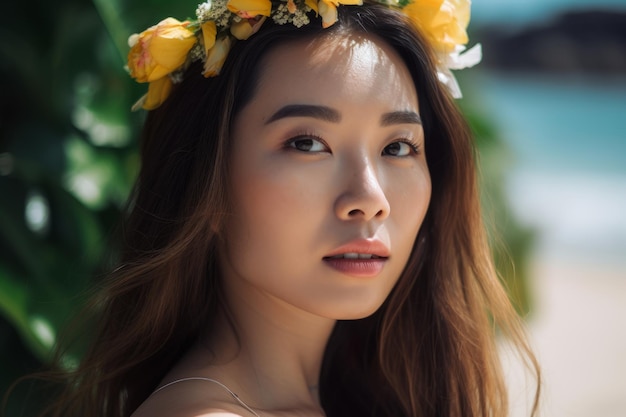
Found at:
<point>302,187</point>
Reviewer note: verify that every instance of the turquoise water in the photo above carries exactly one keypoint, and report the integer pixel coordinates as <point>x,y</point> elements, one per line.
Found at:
<point>523,11</point>
<point>560,124</point>
<point>568,139</point>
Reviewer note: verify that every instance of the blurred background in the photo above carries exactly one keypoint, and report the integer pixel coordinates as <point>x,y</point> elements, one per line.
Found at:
<point>553,83</point>
<point>548,106</point>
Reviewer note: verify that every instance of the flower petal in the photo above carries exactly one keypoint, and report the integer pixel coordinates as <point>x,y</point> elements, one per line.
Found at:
<point>328,11</point>
<point>312,4</point>
<point>158,91</point>
<point>291,6</point>
<point>209,31</point>
<point>465,59</point>
<point>246,27</point>
<point>250,8</point>
<point>168,56</point>
<point>216,57</point>
<point>448,79</point>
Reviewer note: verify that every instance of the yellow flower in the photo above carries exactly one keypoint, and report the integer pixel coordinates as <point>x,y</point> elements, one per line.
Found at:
<point>216,57</point>
<point>249,9</point>
<point>328,10</point>
<point>158,91</point>
<point>209,31</point>
<point>291,6</point>
<point>312,4</point>
<point>159,50</point>
<point>245,28</point>
<point>443,22</point>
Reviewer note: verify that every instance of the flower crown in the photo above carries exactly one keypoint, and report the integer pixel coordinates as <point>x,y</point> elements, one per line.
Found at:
<point>160,54</point>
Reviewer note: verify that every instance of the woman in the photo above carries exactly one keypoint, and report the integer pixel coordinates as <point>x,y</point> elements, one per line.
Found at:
<point>305,236</point>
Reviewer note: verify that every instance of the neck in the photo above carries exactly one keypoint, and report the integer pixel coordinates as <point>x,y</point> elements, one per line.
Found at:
<point>273,350</point>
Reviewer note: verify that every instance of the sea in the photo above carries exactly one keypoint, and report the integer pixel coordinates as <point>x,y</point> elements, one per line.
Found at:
<point>568,140</point>
<point>519,12</point>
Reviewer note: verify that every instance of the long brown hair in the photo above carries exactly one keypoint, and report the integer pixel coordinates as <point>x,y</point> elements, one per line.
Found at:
<point>428,351</point>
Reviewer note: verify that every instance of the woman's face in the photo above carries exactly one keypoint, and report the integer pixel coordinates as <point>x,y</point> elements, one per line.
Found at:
<point>329,179</point>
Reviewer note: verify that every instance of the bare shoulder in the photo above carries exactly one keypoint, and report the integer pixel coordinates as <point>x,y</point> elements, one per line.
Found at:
<point>192,399</point>
<point>204,413</point>
<point>207,413</point>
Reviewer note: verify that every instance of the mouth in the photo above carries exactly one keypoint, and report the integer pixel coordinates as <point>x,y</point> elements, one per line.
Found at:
<point>360,249</point>
<point>354,255</point>
<point>360,265</point>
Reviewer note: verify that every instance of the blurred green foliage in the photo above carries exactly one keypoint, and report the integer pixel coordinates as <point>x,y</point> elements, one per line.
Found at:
<point>68,157</point>
<point>511,242</point>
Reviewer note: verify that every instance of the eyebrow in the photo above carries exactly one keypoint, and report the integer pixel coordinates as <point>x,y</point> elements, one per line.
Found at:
<point>331,115</point>
<point>400,117</point>
<point>306,110</point>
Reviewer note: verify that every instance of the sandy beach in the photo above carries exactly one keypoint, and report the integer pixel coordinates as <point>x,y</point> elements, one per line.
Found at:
<point>578,328</point>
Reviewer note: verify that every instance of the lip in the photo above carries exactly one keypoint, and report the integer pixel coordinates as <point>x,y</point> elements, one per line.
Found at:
<point>362,246</point>
<point>358,267</point>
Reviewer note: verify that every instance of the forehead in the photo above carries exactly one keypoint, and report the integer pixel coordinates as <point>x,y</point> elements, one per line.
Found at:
<point>337,70</point>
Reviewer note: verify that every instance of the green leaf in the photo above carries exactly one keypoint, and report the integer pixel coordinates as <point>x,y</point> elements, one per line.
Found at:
<point>14,304</point>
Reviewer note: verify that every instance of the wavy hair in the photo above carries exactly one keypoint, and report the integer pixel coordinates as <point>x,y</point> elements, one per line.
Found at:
<point>428,351</point>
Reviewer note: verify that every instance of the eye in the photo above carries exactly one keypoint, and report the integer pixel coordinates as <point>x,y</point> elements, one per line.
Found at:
<point>401,148</point>
<point>307,143</point>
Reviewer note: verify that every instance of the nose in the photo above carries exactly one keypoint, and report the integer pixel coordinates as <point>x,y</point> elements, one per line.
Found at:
<point>363,196</point>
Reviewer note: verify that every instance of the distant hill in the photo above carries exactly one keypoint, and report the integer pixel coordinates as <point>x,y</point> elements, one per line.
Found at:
<point>589,42</point>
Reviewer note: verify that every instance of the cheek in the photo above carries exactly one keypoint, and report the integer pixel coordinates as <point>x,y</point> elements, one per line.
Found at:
<point>274,211</point>
<point>409,207</point>
<point>273,193</point>
<point>418,201</point>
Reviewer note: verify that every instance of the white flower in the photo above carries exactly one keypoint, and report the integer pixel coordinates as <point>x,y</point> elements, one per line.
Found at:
<point>300,18</point>
<point>461,59</point>
<point>215,10</point>
<point>281,14</point>
<point>203,10</point>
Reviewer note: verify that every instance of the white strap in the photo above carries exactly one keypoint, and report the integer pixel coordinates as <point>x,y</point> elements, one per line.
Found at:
<point>198,378</point>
